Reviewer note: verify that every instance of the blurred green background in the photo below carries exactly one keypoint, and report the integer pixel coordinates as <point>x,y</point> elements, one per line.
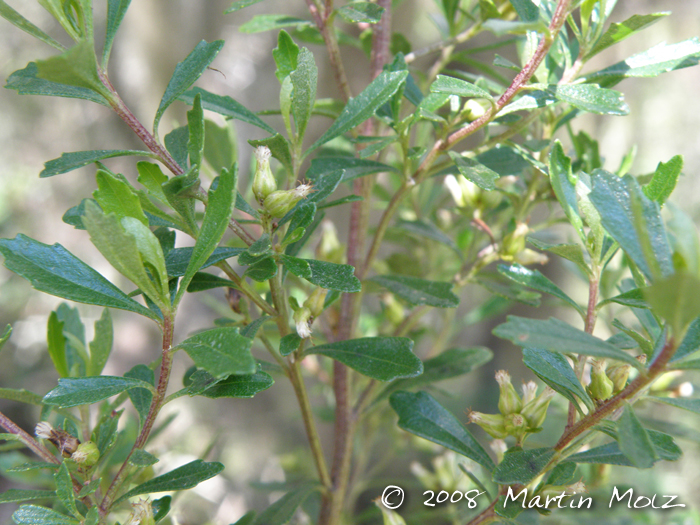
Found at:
<point>254,438</point>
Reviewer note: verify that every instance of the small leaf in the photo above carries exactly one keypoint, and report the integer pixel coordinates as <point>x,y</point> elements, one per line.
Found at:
<point>618,32</point>
<point>676,299</point>
<point>140,458</point>
<point>116,9</point>
<point>141,397</point>
<point>202,281</point>
<point>664,180</point>
<point>304,80</point>
<point>690,343</point>
<point>252,328</point>
<point>5,336</point>
<point>475,172</point>
<point>115,195</point>
<point>282,510</point>
<point>303,216</point>
<point>75,67</point>
<point>534,279</point>
<point>285,55</point>
<point>260,23</point>
<point>364,105</point>
<point>429,230</point>
<point>419,291</point>
<point>263,270</point>
<point>289,343</point>
<point>178,259</point>
<point>161,506</point>
<point>240,4</point>
<point>64,490</point>
<point>497,284</point>
<point>101,345</point>
<point>330,276</point>
<point>220,351</point>
<point>563,184</point>
<point>224,105</point>
<point>186,73</point>
<point>361,12</point>
<point>382,358</point>
<point>185,477</point>
<point>35,515</point>
<point>279,147</point>
<point>76,391</point>
<point>557,336</point>
<point>56,343</point>
<point>522,466</point>
<point>25,25</point>
<point>352,167</point>
<point>239,386</point>
<point>634,441</point>
<point>74,160</point>
<point>195,133</point>
<point>664,448</point>
<point>422,415</point>
<point>592,98</point>
<point>526,9</point>
<point>570,252</point>
<point>18,495</point>
<point>455,86</point>
<point>54,270</point>
<point>555,371</point>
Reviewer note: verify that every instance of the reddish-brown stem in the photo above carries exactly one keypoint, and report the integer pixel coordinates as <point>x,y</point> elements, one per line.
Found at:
<point>29,441</point>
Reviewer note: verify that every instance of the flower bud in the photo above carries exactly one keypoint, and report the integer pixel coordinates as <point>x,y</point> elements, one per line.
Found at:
<point>515,425</point>
<point>601,386</point>
<point>509,401</point>
<point>535,411</point>
<point>514,242</point>
<point>529,392</point>
<point>316,301</point>
<point>472,110</point>
<point>279,203</point>
<point>264,182</point>
<point>618,375</point>
<point>141,513</point>
<point>302,319</point>
<point>464,192</point>
<point>62,440</point>
<point>87,454</point>
<point>493,424</point>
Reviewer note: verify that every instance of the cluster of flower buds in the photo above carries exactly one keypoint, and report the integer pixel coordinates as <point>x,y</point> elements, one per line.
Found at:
<point>84,454</point>
<point>518,416</point>
<point>312,308</point>
<point>141,513</point>
<point>608,381</point>
<point>513,248</point>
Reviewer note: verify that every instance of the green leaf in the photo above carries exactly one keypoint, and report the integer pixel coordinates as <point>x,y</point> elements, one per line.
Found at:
<point>422,415</point>
<point>195,135</point>
<point>522,466</point>
<point>25,25</point>
<point>455,86</point>
<point>498,285</point>
<point>220,145</point>
<point>382,358</point>
<point>18,495</point>
<point>35,515</point>
<point>303,216</point>
<point>160,508</point>
<point>116,9</point>
<point>690,404</point>
<point>555,371</point>
<point>185,477</point>
<point>330,276</point>
<point>633,298</point>
<point>140,458</point>
<point>676,299</point>
<point>664,448</point>
<point>535,280</point>
<point>75,67</point>
<point>263,270</point>
<point>5,336</point>
<point>618,32</point>
<point>224,105</point>
<point>419,291</point>
<point>101,345</point>
<point>240,386</point>
<point>186,73</point>
<point>64,490</point>
<point>77,159</point>
<point>592,98</point>
<point>252,328</point>
<point>178,259</point>
<point>304,80</point>
<point>76,391</point>
<point>261,246</point>
<point>475,172</point>
<point>26,82</point>
<point>285,55</point>
<point>220,351</point>
<point>364,105</point>
<point>202,281</point>
<point>526,9</point>
<point>240,4</point>
<point>664,180</point>
<point>352,167</point>
<point>690,343</point>
<point>289,343</point>
<point>54,270</point>
<point>429,230</point>
<point>570,252</point>
<point>282,510</point>
<point>216,219</point>
<point>115,195</point>
<point>260,23</point>
<point>563,184</point>
<point>56,343</point>
<point>361,12</point>
<point>557,336</point>
<point>141,397</point>
<point>651,63</point>
<point>613,197</point>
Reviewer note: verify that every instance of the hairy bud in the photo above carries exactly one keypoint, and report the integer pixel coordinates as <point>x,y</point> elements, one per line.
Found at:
<point>264,182</point>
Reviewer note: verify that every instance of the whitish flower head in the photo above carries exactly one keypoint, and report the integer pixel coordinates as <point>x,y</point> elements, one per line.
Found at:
<point>43,430</point>
<point>262,154</point>
<point>529,391</point>
<point>577,488</point>
<point>502,377</point>
<point>303,329</point>
<point>303,190</point>
<point>498,446</point>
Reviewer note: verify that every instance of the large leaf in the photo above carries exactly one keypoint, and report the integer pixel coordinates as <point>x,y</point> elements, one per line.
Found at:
<point>221,352</point>
<point>186,73</point>
<point>455,86</point>
<point>592,98</point>
<point>363,106</point>
<point>240,386</point>
<point>76,391</point>
<point>664,448</point>
<point>618,32</point>
<point>422,415</point>
<point>224,105</point>
<point>282,510</point>
<point>185,477</point>
<point>77,159</point>
<point>522,466</point>
<point>555,370</point>
<point>327,275</point>
<point>35,515</point>
<point>534,279</point>
<point>382,358</point>
<point>557,336</point>
<point>178,259</point>
<point>56,271</point>
<point>634,441</point>
<point>475,172</point>
<point>419,291</point>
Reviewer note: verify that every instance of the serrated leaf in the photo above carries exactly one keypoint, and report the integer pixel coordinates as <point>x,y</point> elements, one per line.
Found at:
<point>116,9</point>
<point>474,171</point>
<point>240,4</point>
<point>35,515</point>
<point>186,73</point>
<point>330,276</point>
<point>76,391</point>
<point>422,415</point>
<point>178,259</point>
<point>382,358</point>
<point>664,180</point>
<point>419,291</point>
<point>77,159</point>
<point>592,98</point>
<point>282,510</point>
<point>54,270</point>
<point>364,105</point>
<point>224,105</point>
<point>185,477</point>
<point>64,490</point>
<point>115,195</point>
<point>26,82</point>
<point>25,25</point>
<point>557,336</point>
<point>664,448</point>
<point>220,351</point>
<point>260,23</point>
<point>619,31</point>
<point>304,80</point>
<point>555,371</point>
<point>239,386</point>
<point>522,466</point>
<point>456,86</point>
<point>535,280</point>
<point>18,495</point>
<point>361,12</point>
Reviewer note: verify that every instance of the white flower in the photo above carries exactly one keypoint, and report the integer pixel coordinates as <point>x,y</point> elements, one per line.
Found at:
<point>43,430</point>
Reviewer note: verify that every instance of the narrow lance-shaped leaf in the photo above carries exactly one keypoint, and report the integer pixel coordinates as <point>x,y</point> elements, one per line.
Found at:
<point>592,98</point>
<point>240,4</point>
<point>664,180</point>
<point>555,371</point>
<point>475,172</point>
<point>634,441</point>
<point>261,23</point>
<point>76,391</point>
<point>564,187</point>
<point>282,510</point>
<point>116,9</point>
<point>36,515</point>
<point>101,345</point>
<point>75,67</point>
<point>456,86</point>
<point>56,271</point>
<point>618,32</point>
<point>25,25</point>
<point>304,79</point>
<point>419,291</point>
<point>195,135</point>
<point>64,490</point>
<point>361,12</point>
<point>534,279</point>
<point>74,160</point>
<point>56,343</point>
